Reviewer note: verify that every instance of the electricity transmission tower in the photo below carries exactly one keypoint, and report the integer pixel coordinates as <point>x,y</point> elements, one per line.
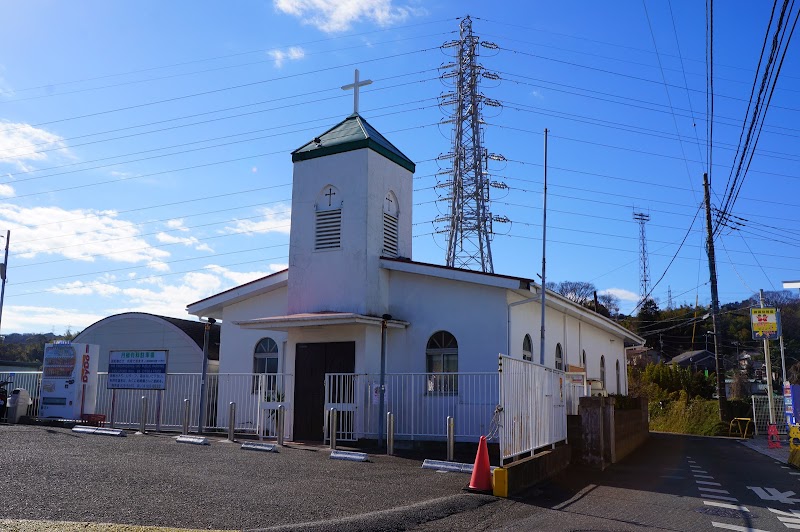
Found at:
<point>644,266</point>
<point>468,222</point>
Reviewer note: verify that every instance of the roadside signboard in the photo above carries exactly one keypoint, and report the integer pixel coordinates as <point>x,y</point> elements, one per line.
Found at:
<point>137,370</point>
<point>765,323</point>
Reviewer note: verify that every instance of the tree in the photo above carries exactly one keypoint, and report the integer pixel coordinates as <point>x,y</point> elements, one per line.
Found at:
<point>610,302</point>
<point>581,292</point>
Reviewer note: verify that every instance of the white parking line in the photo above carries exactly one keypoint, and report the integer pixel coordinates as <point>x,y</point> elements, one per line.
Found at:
<point>707,483</point>
<point>728,506</point>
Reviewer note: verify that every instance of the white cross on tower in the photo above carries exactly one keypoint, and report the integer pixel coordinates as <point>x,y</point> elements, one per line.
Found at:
<point>355,85</point>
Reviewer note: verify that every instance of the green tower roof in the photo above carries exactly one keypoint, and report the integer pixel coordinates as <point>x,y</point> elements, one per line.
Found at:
<point>353,133</point>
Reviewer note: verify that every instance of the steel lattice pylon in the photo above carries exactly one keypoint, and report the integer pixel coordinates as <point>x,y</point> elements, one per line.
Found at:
<point>644,266</point>
<point>468,221</point>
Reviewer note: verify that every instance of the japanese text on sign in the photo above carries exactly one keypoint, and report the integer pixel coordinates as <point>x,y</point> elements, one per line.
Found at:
<point>765,323</point>
<point>140,370</point>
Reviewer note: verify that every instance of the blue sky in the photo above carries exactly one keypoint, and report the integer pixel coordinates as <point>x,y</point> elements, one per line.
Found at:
<point>144,146</point>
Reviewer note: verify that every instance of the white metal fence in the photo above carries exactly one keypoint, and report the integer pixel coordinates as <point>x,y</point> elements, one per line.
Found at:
<point>257,397</point>
<point>761,414</point>
<point>577,387</point>
<point>420,402</point>
<point>533,401</point>
<point>30,380</point>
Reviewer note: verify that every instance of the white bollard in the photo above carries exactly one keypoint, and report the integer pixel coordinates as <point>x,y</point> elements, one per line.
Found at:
<point>143,420</point>
<point>186,409</point>
<point>231,421</point>
<point>389,433</point>
<point>281,416</point>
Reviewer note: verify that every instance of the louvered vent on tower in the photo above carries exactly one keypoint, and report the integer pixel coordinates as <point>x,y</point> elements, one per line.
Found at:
<point>389,235</point>
<point>329,230</point>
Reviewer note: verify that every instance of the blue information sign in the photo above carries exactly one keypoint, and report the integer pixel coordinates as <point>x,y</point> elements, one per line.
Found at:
<point>138,370</point>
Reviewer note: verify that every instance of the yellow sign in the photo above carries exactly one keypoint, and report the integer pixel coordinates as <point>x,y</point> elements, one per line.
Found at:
<point>765,323</point>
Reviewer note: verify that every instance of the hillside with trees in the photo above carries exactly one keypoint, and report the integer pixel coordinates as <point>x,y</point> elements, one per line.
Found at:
<point>29,347</point>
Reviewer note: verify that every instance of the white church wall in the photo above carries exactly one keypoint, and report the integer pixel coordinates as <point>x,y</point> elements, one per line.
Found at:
<point>385,176</point>
<point>474,314</point>
<point>237,344</point>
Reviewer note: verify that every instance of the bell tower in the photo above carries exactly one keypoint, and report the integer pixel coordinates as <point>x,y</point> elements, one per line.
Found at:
<point>351,205</point>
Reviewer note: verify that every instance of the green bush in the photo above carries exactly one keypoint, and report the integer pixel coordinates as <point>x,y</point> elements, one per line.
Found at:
<point>626,402</point>
<point>687,416</point>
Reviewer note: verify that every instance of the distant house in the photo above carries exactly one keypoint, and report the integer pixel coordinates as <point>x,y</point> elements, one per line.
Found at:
<point>697,360</point>
<point>641,355</point>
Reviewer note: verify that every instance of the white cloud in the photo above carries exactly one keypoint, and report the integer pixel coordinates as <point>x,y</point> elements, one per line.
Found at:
<point>24,318</point>
<point>77,234</point>
<point>6,90</point>
<point>621,293</point>
<point>273,220</point>
<point>292,53</point>
<point>6,190</point>
<point>177,224</point>
<point>166,238</point>
<point>277,267</point>
<point>339,15</point>
<point>19,143</point>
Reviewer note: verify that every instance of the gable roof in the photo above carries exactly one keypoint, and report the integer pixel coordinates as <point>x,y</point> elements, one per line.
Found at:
<point>692,356</point>
<point>352,133</point>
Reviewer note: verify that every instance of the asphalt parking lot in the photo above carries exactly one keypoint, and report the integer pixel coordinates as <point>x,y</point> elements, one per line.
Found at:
<point>55,474</point>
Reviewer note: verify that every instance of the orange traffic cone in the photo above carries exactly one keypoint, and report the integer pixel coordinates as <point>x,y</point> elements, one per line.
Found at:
<point>481,480</point>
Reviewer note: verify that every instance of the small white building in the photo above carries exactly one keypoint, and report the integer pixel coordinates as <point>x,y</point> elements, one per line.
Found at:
<point>351,276</point>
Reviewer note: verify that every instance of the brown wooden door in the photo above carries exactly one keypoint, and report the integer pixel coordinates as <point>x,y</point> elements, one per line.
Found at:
<point>312,362</point>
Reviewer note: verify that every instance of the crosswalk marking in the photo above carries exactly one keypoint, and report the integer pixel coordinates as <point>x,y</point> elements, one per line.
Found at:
<point>719,497</point>
<point>703,476</point>
<point>707,483</point>
<point>736,527</point>
<point>728,506</point>
<point>713,490</point>
<point>695,471</point>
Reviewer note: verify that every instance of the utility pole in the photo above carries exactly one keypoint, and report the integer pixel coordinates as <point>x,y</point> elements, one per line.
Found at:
<point>544,247</point>
<point>768,361</point>
<point>3,271</point>
<point>712,269</point>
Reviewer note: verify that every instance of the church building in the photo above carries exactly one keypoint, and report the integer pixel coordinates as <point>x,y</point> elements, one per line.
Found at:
<point>352,294</point>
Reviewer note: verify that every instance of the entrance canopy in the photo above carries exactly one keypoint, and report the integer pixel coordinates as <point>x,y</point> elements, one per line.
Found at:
<point>317,319</point>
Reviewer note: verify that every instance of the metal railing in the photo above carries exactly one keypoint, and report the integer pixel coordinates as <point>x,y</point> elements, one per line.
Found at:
<point>577,387</point>
<point>420,403</point>
<point>30,380</point>
<point>257,397</point>
<point>761,414</point>
<point>533,401</point>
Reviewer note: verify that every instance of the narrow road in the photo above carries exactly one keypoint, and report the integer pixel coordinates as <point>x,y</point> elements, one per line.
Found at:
<point>674,482</point>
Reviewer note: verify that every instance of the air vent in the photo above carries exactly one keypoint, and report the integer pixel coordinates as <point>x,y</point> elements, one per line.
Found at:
<point>329,230</point>
<point>389,235</point>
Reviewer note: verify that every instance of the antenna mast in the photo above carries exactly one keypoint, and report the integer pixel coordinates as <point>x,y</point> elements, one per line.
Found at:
<point>644,266</point>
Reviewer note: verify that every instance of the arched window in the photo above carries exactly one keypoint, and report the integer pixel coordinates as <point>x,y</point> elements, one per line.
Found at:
<point>559,357</point>
<point>619,389</point>
<point>527,348</point>
<point>441,357</point>
<point>328,221</point>
<point>390,215</point>
<point>583,359</point>
<point>603,370</point>
<point>265,361</point>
